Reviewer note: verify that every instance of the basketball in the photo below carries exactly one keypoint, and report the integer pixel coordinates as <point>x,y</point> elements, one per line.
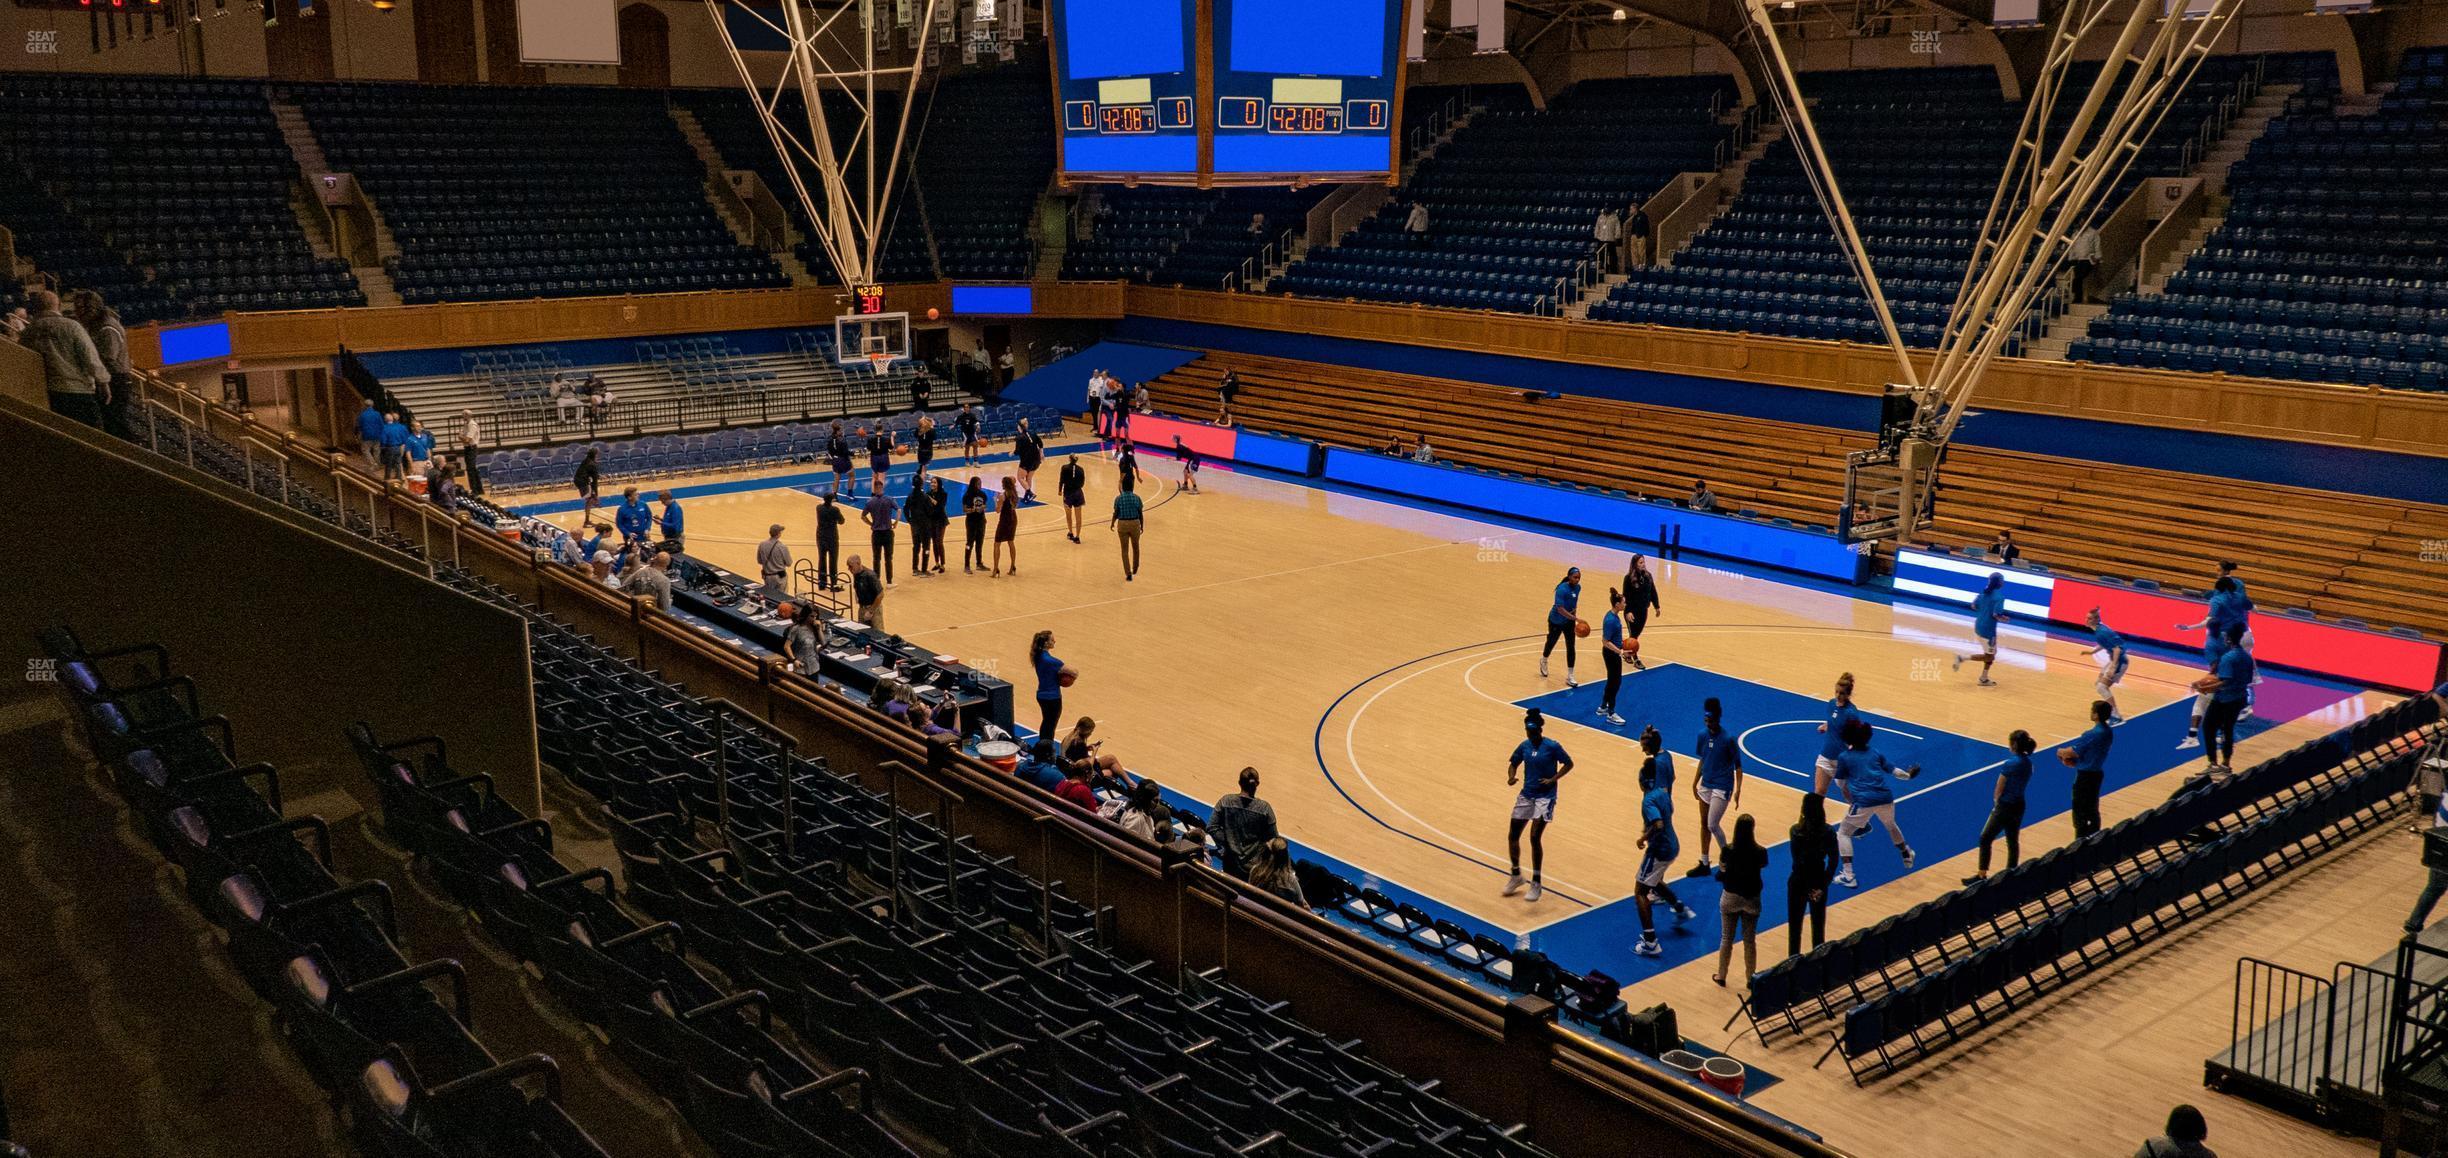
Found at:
<point>786,610</point>
<point>933,313</point>
<point>2065,756</point>
<point>1631,647</point>
<point>1067,678</point>
<point>1581,628</point>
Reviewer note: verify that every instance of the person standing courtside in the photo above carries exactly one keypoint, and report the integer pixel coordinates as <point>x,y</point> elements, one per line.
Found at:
<point>829,520</point>
<point>2006,804</point>
<point>2088,757</point>
<point>1815,860</point>
<point>1563,624</point>
<point>1050,672</point>
<point>673,524</point>
<point>1640,598</point>
<point>1537,764</point>
<point>974,505</point>
<point>881,515</point>
<point>972,444</point>
<point>918,512</point>
<point>1007,528</point>
<point>471,440</point>
<point>866,593</point>
<point>940,520</point>
<point>1072,483</point>
<point>773,559</point>
<point>369,433</point>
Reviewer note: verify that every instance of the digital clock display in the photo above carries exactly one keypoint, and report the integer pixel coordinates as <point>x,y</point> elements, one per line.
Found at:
<point>1126,119</point>
<point>1305,118</point>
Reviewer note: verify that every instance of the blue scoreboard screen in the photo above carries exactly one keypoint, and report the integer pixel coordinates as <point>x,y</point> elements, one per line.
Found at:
<point>1127,91</point>
<point>1306,88</point>
<point>1228,91</point>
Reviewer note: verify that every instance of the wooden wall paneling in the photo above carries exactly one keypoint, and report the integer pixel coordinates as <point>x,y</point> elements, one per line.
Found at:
<point>445,40</point>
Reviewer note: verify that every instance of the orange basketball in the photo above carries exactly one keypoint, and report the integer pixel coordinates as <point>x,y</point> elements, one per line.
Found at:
<point>1067,678</point>
<point>933,313</point>
<point>786,610</point>
<point>1581,628</point>
<point>1631,647</point>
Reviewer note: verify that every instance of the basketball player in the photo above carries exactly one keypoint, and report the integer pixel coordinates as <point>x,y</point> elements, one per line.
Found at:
<point>1189,464</point>
<point>879,460</point>
<point>2088,757</point>
<point>1840,713</point>
<point>1868,796</point>
<point>1072,482</point>
<point>1029,451</point>
<point>1640,594</point>
<point>2006,802</point>
<point>1537,764</point>
<point>837,451</point>
<point>971,444</point>
<point>1561,624</point>
<point>1226,387</point>
<point>2109,647</point>
<point>1718,785</point>
<point>1610,644</point>
<point>2228,685</point>
<point>1988,610</point>
<point>2223,613</point>
<point>1657,842</point>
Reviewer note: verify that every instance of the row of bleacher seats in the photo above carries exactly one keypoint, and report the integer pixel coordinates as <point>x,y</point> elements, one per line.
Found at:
<point>987,154</point>
<point>705,364</point>
<point>324,954</point>
<point>1513,196</point>
<point>705,1046</point>
<point>1942,969</point>
<point>738,449</point>
<point>2325,264</point>
<point>521,375</point>
<point>169,196</point>
<point>502,192</point>
<point>2338,555</point>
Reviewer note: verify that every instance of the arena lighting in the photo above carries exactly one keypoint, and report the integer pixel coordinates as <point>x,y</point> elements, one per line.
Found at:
<point>385,5</point>
<point>1620,14</point>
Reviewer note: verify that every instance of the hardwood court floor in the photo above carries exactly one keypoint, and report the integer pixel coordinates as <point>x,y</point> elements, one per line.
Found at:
<point>1369,659</point>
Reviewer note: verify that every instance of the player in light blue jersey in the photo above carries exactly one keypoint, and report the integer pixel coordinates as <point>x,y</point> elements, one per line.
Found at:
<point>2109,648</point>
<point>1988,610</point>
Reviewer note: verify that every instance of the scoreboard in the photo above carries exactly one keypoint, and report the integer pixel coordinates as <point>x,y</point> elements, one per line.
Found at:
<point>1208,92</point>
<point>1125,86</point>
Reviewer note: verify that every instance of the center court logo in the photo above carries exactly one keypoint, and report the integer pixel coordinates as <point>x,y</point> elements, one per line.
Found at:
<point>42,42</point>
<point>1492,550</point>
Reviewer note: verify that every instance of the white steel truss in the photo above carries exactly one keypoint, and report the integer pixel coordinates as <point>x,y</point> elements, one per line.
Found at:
<point>2053,185</point>
<point>831,48</point>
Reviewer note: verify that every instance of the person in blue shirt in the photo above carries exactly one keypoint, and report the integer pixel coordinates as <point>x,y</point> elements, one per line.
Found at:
<point>633,519</point>
<point>2227,608</point>
<point>1050,672</point>
<point>1840,712</point>
<point>2088,757</point>
<point>2006,802</point>
<point>1563,623</point>
<point>1657,842</point>
<point>369,434</point>
<point>590,541</point>
<point>394,447</point>
<point>1869,796</point>
<point>672,522</point>
<point>420,444</point>
<point>2228,683</point>
<point>1536,765</point>
<point>1611,650</point>
<point>1718,786</point>
<point>1988,610</point>
<point>2109,648</point>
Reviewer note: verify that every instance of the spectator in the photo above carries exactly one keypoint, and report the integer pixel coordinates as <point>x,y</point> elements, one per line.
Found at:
<point>1142,813</point>
<point>444,490</point>
<point>1394,444</point>
<point>1043,766</point>
<point>565,401</point>
<point>110,340</point>
<point>13,323</point>
<point>632,517</point>
<point>1636,238</point>
<point>1608,233</point>
<point>1415,226</point>
<point>672,522</point>
<point>1271,869</point>
<point>1074,788</point>
<point>1702,498</point>
<point>369,434</point>
<point>1422,453</point>
<point>601,564</point>
<point>471,439</point>
<point>2438,882</point>
<point>1816,856</point>
<point>2185,1131</point>
<point>1242,823</point>
<point>803,644</point>
<point>1257,226</point>
<point>944,720</point>
<point>2004,548</point>
<point>1103,771</point>
<point>773,558</point>
<point>394,447</point>
<point>73,370</point>
<point>653,579</point>
<point>2082,257</point>
<point>866,594</point>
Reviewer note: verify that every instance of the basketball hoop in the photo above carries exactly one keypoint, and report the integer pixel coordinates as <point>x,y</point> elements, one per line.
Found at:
<point>881,364</point>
